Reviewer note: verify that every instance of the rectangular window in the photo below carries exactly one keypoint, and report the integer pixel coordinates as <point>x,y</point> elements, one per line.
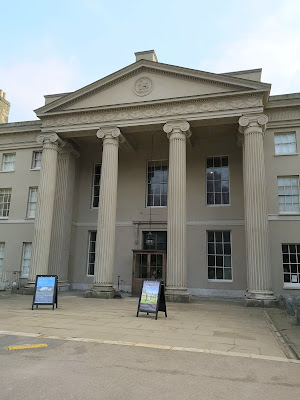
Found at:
<point>217,180</point>
<point>8,162</point>
<point>2,246</point>
<point>26,259</point>
<point>5,197</point>
<point>219,255</point>
<point>288,194</point>
<point>96,185</point>
<point>32,200</point>
<point>91,252</point>
<point>160,240</point>
<point>36,160</point>
<point>157,183</point>
<point>285,143</point>
<point>291,263</point>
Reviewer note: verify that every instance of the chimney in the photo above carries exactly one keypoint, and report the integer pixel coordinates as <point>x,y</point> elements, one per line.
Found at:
<point>146,55</point>
<point>4,108</point>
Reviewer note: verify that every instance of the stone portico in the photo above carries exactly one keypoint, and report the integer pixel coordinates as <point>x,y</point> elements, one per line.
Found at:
<point>112,120</point>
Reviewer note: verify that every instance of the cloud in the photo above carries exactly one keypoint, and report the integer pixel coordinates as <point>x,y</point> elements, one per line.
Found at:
<point>272,43</point>
<point>26,84</point>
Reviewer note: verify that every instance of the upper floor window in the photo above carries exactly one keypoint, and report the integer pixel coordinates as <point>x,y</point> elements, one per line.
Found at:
<point>157,183</point>
<point>5,197</point>
<point>8,162</point>
<point>288,194</point>
<point>285,143</point>
<point>32,200</point>
<point>96,185</point>
<point>291,263</point>
<point>36,160</point>
<point>26,259</point>
<point>217,180</point>
<point>2,246</point>
<point>91,252</point>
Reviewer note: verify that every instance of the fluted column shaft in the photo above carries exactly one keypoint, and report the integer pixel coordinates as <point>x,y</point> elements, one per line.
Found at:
<point>62,217</point>
<point>256,215</point>
<point>177,132</point>
<point>105,242</point>
<point>45,206</point>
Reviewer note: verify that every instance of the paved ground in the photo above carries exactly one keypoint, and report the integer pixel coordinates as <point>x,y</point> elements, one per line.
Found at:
<point>216,326</point>
<point>78,370</point>
<point>212,349</point>
<point>287,327</point>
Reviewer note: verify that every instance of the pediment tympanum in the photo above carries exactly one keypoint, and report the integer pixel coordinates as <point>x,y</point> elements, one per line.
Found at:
<point>146,82</point>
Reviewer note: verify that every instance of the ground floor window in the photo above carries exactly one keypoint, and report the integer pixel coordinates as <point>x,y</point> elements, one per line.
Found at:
<point>2,246</point>
<point>91,252</point>
<point>26,259</point>
<point>219,255</point>
<point>160,240</point>
<point>291,263</point>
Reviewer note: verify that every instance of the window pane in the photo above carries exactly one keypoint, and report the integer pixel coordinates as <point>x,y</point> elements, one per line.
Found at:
<point>96,185</point>
<point>157,172</point>
<point>218,244</point>
<point>217,180</point>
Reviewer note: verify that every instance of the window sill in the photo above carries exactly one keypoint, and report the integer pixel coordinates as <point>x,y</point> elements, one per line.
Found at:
<point>5,172</point>
<point>35,169</point>
<point>3,218</point>
<point>24,276</point>
<point>291,286</point>
<point>218,205</point>
<point>220,280</point>
<point>286,154</point>
<point>288,213</point>
<point>156,207</point>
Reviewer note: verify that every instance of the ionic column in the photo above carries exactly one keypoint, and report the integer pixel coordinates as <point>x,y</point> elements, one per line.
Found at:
<point>259,292</point>
<point>44,210</point>
<point>105,242</point>
<point>177,132</point>
<point>62,216</point>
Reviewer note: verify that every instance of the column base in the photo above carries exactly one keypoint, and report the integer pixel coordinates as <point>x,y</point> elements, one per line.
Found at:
<point>63,286</point>
<point>101,292</point>
<point>28,288</point>
<point>263,299</point>
<point>178,295</point>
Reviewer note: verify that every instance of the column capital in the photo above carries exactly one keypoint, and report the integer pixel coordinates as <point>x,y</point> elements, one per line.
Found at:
<point>68,149</point>
<point>110,132</point>
<point>179,126</point>
<point>253,122</point>
<point>50,138</point>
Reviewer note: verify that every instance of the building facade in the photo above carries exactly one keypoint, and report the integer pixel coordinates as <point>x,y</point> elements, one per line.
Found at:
<point>208,163</point>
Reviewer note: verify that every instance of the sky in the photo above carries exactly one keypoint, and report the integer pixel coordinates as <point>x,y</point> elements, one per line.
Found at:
<point>57,46</point>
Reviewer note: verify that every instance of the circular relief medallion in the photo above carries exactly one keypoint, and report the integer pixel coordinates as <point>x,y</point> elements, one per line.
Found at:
<point>143,86</point>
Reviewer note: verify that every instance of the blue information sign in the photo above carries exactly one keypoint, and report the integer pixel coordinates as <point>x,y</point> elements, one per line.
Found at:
<point>45,290</point>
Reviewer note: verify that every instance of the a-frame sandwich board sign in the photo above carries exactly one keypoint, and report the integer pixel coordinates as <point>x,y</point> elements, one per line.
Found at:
<point>152,298</point>
<point>45,291</point>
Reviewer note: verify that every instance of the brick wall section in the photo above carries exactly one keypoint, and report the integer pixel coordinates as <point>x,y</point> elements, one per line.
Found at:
<point>4,110</point>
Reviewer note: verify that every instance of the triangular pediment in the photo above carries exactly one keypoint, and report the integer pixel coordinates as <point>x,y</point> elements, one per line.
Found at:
<point>146,81</point>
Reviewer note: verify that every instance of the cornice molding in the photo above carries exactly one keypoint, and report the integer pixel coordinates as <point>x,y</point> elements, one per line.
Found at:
<point>283,113</point>
<point>170,109</point>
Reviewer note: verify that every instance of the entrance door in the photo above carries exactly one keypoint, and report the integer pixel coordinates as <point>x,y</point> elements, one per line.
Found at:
<point>147,264</point>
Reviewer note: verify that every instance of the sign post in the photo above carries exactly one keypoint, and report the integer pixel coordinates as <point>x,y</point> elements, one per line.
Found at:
<point>45,291</point>
<point>152,298</point>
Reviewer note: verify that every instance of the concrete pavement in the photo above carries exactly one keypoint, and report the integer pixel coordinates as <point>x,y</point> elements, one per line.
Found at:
<point>216,326</point>
<point>78,370</point>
